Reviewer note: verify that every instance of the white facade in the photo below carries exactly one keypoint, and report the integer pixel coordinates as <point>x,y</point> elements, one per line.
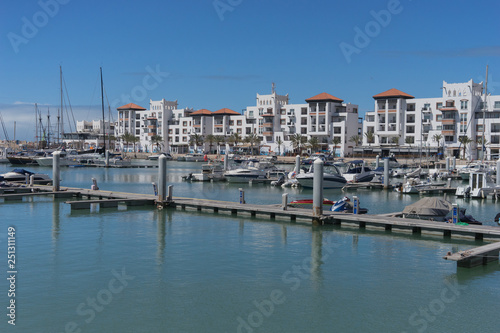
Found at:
<point>417,123</point>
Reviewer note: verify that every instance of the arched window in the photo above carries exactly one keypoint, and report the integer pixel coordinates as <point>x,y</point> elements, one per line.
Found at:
<point>454,93</point>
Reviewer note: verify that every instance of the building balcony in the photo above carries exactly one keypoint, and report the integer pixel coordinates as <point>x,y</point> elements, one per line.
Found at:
<point>448,132</point>
<point>448,121</point>
<point>267,124</point>
<point>392,110</point>
<point>268,114</point>
<point>392,127</point>
<point>267,133</point>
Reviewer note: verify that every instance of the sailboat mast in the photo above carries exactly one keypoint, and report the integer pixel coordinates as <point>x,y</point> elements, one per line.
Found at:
<point>103,123</point>
<point>36,125</point>
<point>484,113</point>
<point>62,111</point>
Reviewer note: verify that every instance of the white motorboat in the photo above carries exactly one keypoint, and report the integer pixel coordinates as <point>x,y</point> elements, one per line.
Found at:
<point>249,171</point>
<point>66,158</point>
<point>195,157</point>
<point>415,185</point>
<point>331,177</point>
<point>209,171</point>
<point>155,157</point>
<point>358,172</point>
<point>22,175</point>
<point>480,186</point>
<point>464,172</point>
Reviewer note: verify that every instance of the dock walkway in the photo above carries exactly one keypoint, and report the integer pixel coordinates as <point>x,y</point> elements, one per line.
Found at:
<point>384,222</point>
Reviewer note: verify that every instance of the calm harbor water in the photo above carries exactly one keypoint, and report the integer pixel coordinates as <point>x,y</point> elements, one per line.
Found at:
<point>143,270</point>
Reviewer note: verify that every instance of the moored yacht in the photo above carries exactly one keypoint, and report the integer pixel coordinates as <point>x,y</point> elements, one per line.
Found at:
<point>248,171</point>
<point>331,177</point>
<point>22,175</point>
<point>357,171</point>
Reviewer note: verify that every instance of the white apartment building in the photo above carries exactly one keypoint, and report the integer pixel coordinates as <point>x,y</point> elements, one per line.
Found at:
<point>89,134</point>
<point>272,118</point>
<point>401,122</point>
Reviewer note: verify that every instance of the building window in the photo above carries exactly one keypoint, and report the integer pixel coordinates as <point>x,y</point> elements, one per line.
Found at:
<point>184,123</point>
<point>238,122</point>
<point>449,138</point>
<point>439,105</point>
<point>463,117</point>
<point>439,117</point>
<point>303,111</point>
<point>250,113</point>
<point>497,104</point>
<point>463,105</point>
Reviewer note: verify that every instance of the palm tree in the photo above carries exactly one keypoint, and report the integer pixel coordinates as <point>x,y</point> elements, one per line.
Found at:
<point>252,139</point>
<point>195,140</point>
<point>134,141</point>
<point>210,138</point>
<point>297,141</point>
<point>464,140</point>
<point>356,139</point>
<point>438,138</point>
<point>482,145</point>
<point>370,137</point>
<point>279,142</point>
<point>313,143</point>
<point>336,141</point>
<point>156,140</point>
<point>235,139</point>
<point>127,137</point>
<point>219,139</point>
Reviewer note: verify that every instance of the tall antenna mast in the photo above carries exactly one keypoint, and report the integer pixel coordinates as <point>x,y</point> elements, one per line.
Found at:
<point>273,88</point>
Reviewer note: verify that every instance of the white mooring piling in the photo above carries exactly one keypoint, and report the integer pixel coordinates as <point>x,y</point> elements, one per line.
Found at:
<point>284,201</point>
<point>32,180</point>
<point>170,196</point>
<point>56,171</point>
<point>386,173</point>
<point>454,163</point>
<point>447,164</point>
<point>377,161</point>
<point>318,188</point>
<point>107,158</point>
<point>162,178</point>
<point>297,164</point>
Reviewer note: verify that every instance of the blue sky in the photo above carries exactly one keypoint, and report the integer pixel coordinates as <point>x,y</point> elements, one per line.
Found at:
<point>212,58</point>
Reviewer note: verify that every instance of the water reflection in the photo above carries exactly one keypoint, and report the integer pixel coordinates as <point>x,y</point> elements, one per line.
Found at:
<point>56,219</point>
<point>317,257</point>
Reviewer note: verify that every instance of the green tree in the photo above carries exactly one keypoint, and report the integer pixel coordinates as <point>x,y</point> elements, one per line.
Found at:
<point>195,140</point>
<point>335,141</point>
<point>210,138</point>
<point>235,139</point>
<point>464,140</point>
<point>313,143</point>
<point>134,141</point>
<point>127,138</point>
<point>279,142</point>
<point>356,139</point>
<point>252,139</point>
<point>370,137</point>
<point>220,139</point>
<point>156,140</point>
<point>297,141</point>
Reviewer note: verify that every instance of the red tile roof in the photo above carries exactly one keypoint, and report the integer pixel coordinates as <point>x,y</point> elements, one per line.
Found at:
<point>324,97</point>
<point>392,93</point>
<point>131,106</point>
<point>202,112</point>
<point>226,111</point>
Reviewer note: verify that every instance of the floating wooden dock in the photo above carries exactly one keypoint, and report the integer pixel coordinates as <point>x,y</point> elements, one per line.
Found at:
<point>383,222</point>
<point>477,256</point>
